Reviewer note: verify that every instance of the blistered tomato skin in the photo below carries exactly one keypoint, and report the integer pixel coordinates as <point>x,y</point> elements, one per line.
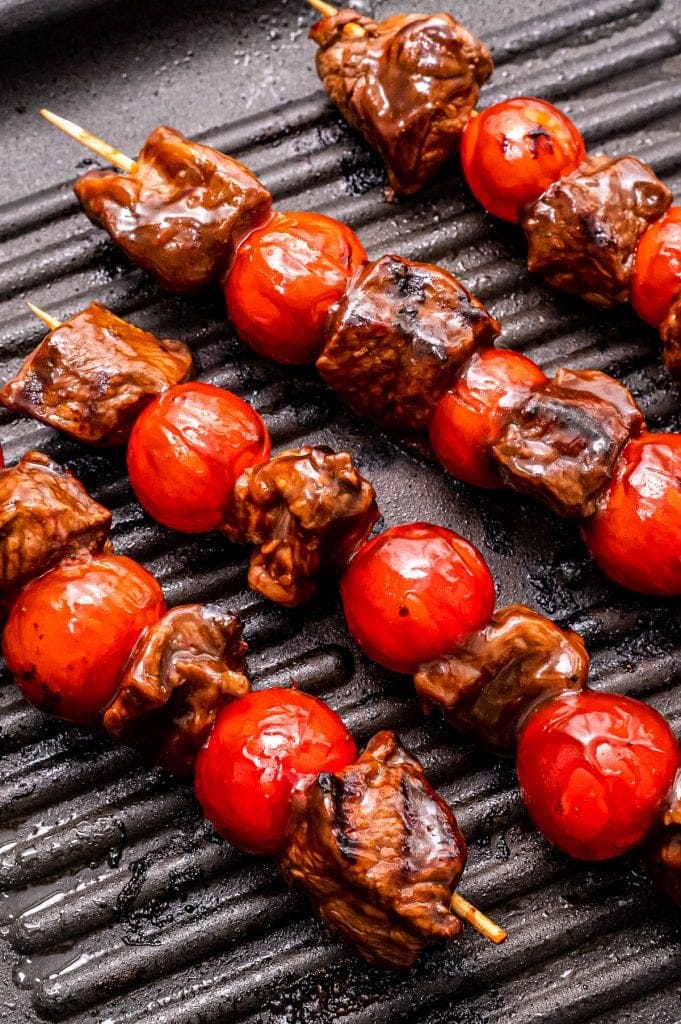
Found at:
<point>635,536</point>
<point>285,278</point>
<point>656,281</point>
<point>594,770</point>
<point>512,151</point>
<point>187,450</point>
<point>72,630</point>
<point>470,417</point>
<point>265,748</point>
<point>413,592</point>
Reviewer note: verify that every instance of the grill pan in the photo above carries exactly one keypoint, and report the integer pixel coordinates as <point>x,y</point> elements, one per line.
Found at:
<point>117,902</point>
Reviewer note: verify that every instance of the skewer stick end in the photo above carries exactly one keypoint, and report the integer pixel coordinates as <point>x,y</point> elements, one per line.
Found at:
<point>328,11</point>
<point>483,924</point>
<point>87,139</point>
<point>48,320</point>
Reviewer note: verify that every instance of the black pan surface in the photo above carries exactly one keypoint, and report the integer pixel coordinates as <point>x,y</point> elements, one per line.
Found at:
<point>117,902</point>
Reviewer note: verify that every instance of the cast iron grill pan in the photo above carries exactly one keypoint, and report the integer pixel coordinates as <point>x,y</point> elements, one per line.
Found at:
<point>118,903</point>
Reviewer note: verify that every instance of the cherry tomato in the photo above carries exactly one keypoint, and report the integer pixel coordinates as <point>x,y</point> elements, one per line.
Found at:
<point>284,280</point>
<point>266,747</point>
<point>656,281</point>
<point>635,536</point>
<point>72,630</point>
<point>594,769</point>
<point>512,151</point>
<point>413,592</point>
<point>187,450</point>
<point>471,416</point>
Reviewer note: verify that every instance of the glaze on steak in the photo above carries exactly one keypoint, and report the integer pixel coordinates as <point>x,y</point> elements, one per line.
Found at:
<point>46,515</point>
<point>408,84</point>
<point>663,852</point>
<point>498,675</point>
<point>379,854</point>
<point>583,230</point>
<point>308,511</point>
<point>397,339</point>
<point>561,444</point>
<point>183,670</point>
<point>92,376</point>
<point>181,213</point>
<point>670,332</point>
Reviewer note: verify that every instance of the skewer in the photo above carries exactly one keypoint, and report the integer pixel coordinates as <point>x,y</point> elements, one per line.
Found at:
<point>97,145</point>
<point>483,924</point>
<point>48,320</point>
<point>328,10</point>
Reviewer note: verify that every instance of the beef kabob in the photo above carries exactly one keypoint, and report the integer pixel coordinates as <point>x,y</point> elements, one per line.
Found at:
<point>598,227</point>
<point>89,639</point>
<point>406,345</point>
<point>105,382</point>
<point>599,773</point>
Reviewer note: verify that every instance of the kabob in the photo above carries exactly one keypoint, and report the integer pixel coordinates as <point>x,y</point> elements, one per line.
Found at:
<point>105,382</point>
<point>480,606</point>
<point>89,639</point>
<point>277,772</point>
<point>598,227</point>
<point>404,344</point>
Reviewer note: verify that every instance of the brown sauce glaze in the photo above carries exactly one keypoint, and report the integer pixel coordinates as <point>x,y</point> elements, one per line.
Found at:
<point>379,854</point>
<point>181,213</point>
<point>397,339</point>
<point>583,231</point>
<point>487,687</point>
<point>92,376</point>
<point>181,672</point>
<point>409,84</point>
<point>308,511</point>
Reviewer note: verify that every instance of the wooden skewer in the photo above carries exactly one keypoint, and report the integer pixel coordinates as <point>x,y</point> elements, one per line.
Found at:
<point>97,145</point>
<point>328,10</point>
<point>48,320</point>
<point>483,924</point>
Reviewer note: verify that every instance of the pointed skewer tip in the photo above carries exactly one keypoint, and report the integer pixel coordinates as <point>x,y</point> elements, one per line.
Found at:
<point>483,924</point>
<point>48,320</point>
<point>328,10</point>
<point>93,142</point>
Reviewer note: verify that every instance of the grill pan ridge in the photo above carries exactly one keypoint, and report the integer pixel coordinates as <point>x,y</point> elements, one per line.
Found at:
<point>117,903</point>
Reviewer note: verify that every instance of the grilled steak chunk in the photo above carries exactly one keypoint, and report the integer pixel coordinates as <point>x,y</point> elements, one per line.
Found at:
<point>670,332</point>
<point>181,672</point>
<point>583,231</point>
<point>46,515</point>
<point>663,852</point>
<point>496,676</point>
<point>409,84</point>
<point>92,376</point>
<point>397,339</point>
<point>181,213</point>
<point>561,444</point>
<point>379,853</point>
<point>309,511</point>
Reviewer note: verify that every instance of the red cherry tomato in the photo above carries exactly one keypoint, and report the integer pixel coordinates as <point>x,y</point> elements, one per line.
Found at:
<point>187,450</point>
<point>413,592</point>
<point>594,769</point>
<point>635,536</point>
<point>72,630</point>
<point>471,416</point>
<point>656,281</point>
<point>512,151</point>
<point>284,280</point>
<point>266,747</point>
